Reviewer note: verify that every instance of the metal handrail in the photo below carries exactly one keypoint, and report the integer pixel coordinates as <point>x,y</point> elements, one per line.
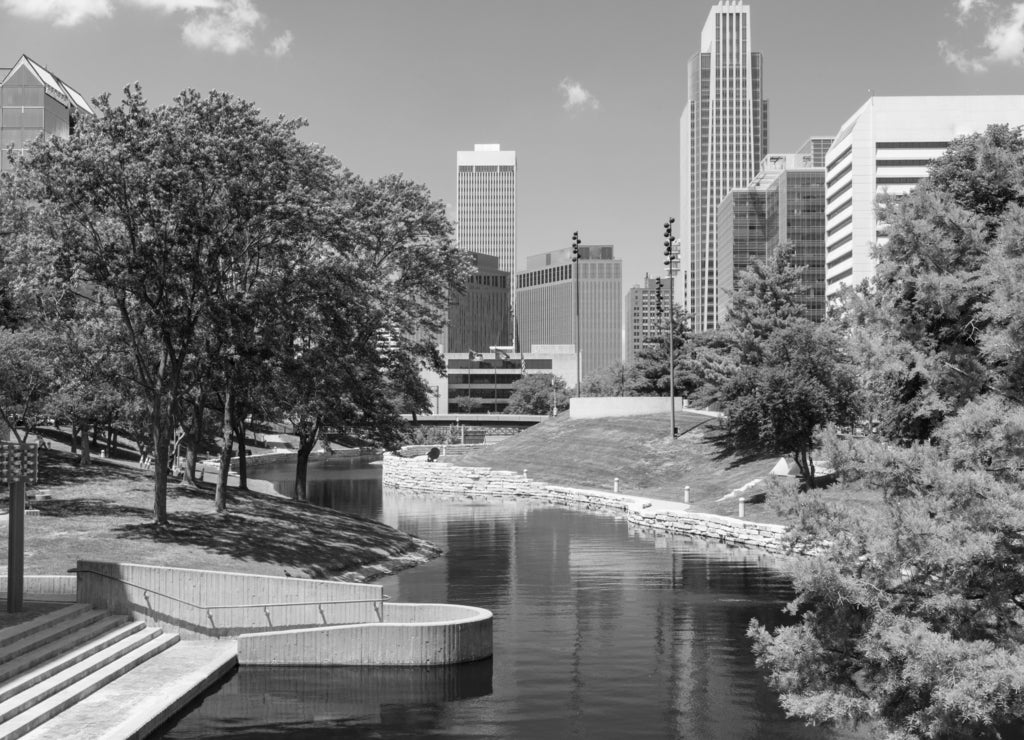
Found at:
<point>208,608</point>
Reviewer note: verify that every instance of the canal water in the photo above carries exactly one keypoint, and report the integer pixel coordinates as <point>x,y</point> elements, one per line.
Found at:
<point>601,630</point>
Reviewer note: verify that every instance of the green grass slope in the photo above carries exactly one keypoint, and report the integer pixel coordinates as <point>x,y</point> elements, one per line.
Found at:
<point>591,453</point>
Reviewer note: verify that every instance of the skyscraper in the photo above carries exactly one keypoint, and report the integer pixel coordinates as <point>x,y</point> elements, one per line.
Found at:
<point>783,204</point>
<point>546,304</point>
<point>486,203</point>
<point>724,136</point>
<point>886,147</point>
<point>643,320</point>
<point>34,102</point>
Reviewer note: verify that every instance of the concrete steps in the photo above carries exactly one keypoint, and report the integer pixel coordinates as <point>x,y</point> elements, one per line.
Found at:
<point>54,661</point>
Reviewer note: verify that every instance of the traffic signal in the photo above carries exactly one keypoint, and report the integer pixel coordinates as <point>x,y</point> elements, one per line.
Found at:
<point>658,295</point>
<point>575,246</point>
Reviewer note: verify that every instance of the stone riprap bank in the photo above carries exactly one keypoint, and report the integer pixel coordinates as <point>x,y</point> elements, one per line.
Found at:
<point>439,477</point>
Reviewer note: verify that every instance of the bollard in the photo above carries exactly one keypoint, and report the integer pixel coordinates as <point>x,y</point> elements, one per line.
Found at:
<point>686,495</point>
<point>741,507</point>
<point>615,488</point>
<point>524,472</point>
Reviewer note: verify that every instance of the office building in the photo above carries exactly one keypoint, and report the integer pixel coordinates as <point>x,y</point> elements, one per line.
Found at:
<point>724,136</point>
<point>487,376</point>
<point>34,102</point>
<point>546,301</point>
<point>486,203</point>
<point>480,315</point>
<point>886,147</point>
<point>644,322</point>
<point>783,204</point>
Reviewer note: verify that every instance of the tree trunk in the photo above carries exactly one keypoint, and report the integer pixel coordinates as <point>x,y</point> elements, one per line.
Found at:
<point>306,443</point>
<point>95,434</point>
<point>192,439</point>
<point>806,466</point>
<point>85,459</point>
<point>74,438</point>
<point>161,442</point>
<point>243,472</point>
<point>220,497</point>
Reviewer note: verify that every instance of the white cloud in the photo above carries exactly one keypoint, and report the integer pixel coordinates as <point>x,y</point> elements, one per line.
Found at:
<point>61,12</point>
<point>226,28</point>
<point>1003,41</point>
<point>280,46</point>
<point>576,96</point>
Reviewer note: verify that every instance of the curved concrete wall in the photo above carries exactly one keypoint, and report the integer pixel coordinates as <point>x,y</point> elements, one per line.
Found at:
<point>156,595</point>
<point>411,634</point>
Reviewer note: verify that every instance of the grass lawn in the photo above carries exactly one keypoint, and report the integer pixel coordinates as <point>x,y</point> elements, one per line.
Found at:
<point>591,453</point>
<point>104,512</point>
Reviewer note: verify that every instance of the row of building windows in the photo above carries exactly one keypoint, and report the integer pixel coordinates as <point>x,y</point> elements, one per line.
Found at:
<point>840,259</point>
<point>903,162</point>
<point>839,175</point>
<point>839,209</point>
<point>835,196</point>
<point>840,242</point>
<point>911,145</point>
<point>845,222</point>
<point>841,276</point>
<point>897,180</point>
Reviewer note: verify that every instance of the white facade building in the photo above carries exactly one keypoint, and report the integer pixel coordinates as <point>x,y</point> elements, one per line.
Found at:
<point>886,146</point>
<point>486,204</point>
<point>723,137</point>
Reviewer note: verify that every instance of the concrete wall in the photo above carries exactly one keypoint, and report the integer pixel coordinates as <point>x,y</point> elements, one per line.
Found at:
<point>411,634</point>
<point>178,599</point>
<point>608,406</point>
<point>45,588</point>
<point>440,477</point>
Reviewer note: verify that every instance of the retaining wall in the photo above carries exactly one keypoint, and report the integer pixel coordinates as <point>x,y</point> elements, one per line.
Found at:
<point>186,601</point>
<point>670,517</point>
<point>45,588</point>
<point>446,450</point>
<point>411,634</point>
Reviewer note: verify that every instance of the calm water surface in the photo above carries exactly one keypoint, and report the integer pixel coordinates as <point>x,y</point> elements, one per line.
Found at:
<point>601,630</point>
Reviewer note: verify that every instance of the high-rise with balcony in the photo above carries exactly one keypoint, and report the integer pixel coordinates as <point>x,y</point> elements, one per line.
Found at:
<point>34,102</point>
<point>724,137</point>
<point>486,203</point>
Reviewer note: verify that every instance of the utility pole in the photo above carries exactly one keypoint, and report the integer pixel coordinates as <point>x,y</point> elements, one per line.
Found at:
<point>579,335</point>
<point>671,265</point>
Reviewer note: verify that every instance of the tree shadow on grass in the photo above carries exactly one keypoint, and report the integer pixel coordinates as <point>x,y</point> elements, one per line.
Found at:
<point>270,530</point>
<point>88,507</point>
<point>725,451</point>
<point>58,468</point>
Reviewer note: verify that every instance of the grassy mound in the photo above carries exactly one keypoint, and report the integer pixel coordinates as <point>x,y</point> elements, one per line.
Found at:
<point>591,453</point>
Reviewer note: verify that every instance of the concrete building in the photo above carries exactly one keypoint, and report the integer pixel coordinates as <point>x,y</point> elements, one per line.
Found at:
<point>546,304</point>
<point>886,146</point>
<point>486,203</point>
<point>34,102</point>
<point>724,136</point>
<point>783,204</point>
<point>643,320</point>
<point>480,316</point>
<point>488,376</point>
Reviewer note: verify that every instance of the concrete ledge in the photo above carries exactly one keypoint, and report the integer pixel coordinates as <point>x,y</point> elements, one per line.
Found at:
<point>410,635</point>
<point>45,588</point>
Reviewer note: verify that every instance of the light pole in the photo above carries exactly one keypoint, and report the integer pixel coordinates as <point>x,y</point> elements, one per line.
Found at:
<point>672,266</point>
<point>579,335</point>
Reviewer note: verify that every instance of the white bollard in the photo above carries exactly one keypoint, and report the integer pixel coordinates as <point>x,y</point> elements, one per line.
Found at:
<point>616,487</point>
<point>741,507</point>
<point>524,472</point>
<point>686,495</point>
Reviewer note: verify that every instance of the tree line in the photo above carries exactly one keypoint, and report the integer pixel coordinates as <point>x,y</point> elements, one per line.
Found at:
<point>197,264</point>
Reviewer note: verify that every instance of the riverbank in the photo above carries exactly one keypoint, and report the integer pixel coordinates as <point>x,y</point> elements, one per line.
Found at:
<point>671,517</point>
<point>104,512</point>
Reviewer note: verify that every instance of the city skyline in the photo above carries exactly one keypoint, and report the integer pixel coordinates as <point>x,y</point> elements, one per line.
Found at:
<point>588,94</point>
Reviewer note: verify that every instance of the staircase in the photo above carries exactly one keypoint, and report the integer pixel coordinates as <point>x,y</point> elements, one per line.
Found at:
<point>54,661</point>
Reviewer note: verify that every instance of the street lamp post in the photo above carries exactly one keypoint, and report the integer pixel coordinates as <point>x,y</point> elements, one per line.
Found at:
<point>672,266</point>
<point>579,334</point>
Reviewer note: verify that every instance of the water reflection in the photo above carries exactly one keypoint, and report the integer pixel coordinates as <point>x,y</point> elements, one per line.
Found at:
<point>601,630</point>
<point>338,483</point>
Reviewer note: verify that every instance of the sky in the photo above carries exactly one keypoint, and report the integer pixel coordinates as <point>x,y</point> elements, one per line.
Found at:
<point>587,92</point>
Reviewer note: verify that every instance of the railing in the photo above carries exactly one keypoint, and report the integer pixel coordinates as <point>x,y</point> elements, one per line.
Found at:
<point>209,608</point>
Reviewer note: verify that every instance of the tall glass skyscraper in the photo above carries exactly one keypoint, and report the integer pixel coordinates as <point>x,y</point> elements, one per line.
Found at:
<point>724,137</point>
